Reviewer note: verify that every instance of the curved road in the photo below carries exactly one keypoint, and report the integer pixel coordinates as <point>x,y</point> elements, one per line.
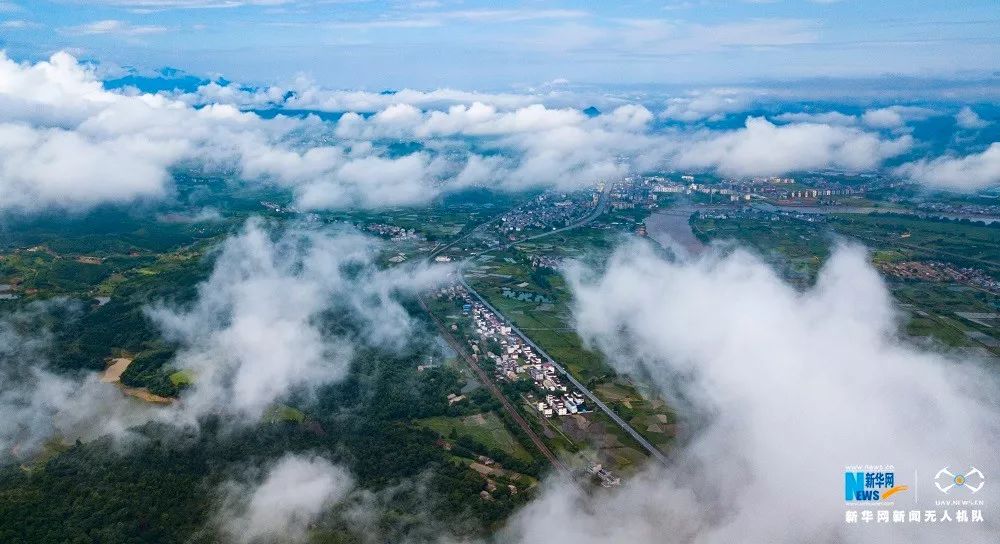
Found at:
<point>602,206</point>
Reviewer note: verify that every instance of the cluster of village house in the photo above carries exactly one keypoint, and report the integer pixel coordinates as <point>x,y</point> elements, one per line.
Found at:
<point>517,359</point>
<point>938,271</point>
<point>396,234</point>
<point>544,261</point>
<point>605,476</point>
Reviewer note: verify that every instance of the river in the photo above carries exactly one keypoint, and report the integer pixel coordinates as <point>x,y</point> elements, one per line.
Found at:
<point>669,227</point>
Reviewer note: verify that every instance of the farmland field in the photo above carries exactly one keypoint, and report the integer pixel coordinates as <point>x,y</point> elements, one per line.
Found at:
<point>486,428</point>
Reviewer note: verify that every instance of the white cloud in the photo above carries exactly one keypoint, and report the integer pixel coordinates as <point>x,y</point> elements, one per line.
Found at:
<point>69,143</point>
<point>882,118</point>
<point>294,492</point>
<point>669,37</point>
<point>477,119</point>
<point>561,147</point>
<point>115,27</point>
<point>385,182</point>
<point>539,146</point>
<point>710,104</point>
<point>894,116</point>
<point>890,117</point>
<point>756,33</point>
<point>255,333</point>
<point>781,389</point>
<point>968,119</point>
<point>826,118</point>
<point>16,24</point>
<point>968,173</point>
<point>189,4</point>
<point>52,165</point>
<point>427,19</point>
<point>762,148</point>
<point>65,139</point>
<point>305,95</point>
<point>70,133</point>
<point>512,15</point>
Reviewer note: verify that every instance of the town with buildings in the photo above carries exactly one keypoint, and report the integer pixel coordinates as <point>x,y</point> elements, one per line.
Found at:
<point>813,190</point>
<point>547,211</point>
<point>513,359</point>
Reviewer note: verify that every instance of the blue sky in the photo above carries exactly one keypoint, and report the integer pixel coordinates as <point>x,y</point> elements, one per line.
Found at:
<point>490,45</point>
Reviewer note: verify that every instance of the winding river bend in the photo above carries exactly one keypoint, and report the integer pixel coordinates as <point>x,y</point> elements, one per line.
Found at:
<point>669,227</point>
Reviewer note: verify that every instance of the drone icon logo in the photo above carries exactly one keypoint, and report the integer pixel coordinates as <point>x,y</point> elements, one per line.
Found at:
<point>973,480</point>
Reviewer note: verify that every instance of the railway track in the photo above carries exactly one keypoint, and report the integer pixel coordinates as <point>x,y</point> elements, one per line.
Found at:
<point>497,393</point>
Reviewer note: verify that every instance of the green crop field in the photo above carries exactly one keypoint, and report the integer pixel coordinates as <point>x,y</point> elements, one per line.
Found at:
<point>960,242</point>
<point>487,429</point>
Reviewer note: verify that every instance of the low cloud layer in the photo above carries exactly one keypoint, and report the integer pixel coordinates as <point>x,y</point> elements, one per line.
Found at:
<point>38,404</point>
<point>968,173</point>
<point>892,118</point>
<point>303,94</point>
<point>68,143</point>
<point>256,332</point>
<point>259,331</point>
<point>763,148</point>
<point>279,506</point>
<point>31,394</point>
<point>968,119</point>
<point>781,389</point>
<point>710,104</point>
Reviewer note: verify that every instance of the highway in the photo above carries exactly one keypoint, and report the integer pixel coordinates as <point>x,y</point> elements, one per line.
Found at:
<point>472,231</point>
<point>602,206</point>
<point>653,450</point>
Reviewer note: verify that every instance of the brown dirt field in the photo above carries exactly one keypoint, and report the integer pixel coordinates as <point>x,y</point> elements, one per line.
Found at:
<point>143,394</point>
<point>113,374</point>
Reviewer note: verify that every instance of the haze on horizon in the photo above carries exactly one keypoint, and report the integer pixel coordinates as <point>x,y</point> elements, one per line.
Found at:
<point>521,44</point>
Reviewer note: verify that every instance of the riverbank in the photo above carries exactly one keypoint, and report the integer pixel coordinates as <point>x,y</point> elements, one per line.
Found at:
<point>669,227</point>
